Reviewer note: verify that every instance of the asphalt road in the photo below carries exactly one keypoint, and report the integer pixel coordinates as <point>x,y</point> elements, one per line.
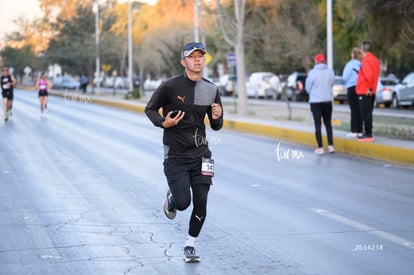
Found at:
<point>81,193</point>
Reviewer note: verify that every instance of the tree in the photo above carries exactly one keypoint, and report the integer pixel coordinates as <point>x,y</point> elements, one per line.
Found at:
<point>161,31</point>
<point>74,47</point>
<point>234,37</point>
<point>18,58</point>
<point>393,40</point>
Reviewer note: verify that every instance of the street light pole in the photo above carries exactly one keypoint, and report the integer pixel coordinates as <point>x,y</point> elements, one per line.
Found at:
<point>98,65</point>
<point>130,59</point>
<point>196,11</point>
<point>329,39</point>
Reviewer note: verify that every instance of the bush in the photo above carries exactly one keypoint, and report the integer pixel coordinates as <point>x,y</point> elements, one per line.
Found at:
<point>135,94</point>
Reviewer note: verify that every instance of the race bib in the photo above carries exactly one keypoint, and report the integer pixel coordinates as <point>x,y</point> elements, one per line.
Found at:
<point>207,167</point>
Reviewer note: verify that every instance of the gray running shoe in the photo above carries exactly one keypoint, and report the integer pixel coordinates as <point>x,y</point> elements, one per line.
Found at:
<point>168,210</point>
<point>190,255</point>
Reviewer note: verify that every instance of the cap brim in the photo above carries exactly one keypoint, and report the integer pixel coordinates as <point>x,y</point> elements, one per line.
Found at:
<point>188,52</point>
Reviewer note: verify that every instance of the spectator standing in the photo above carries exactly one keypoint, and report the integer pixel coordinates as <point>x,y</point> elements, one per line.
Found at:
<point>185,100</point>
<point>319,85</point>
<point>350,76</point>
<point>84,81</point>
<point>366,89</point>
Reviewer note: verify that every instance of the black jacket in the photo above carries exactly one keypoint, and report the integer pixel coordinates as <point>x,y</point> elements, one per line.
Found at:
<point>188,138</point>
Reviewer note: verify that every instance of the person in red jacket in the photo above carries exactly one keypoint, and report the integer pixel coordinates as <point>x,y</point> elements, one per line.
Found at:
<point>366,88</point>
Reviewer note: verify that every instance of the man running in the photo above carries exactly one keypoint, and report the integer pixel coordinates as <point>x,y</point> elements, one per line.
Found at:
<point>188,166</point>
<point>8,82</point>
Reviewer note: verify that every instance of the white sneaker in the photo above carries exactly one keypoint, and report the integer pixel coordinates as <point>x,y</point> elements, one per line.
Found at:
<point>319,151</point>
<point>331,149</point>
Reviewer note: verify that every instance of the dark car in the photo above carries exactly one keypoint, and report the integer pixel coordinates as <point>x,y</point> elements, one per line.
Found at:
<point>136,81</point>
<point>295,87</point>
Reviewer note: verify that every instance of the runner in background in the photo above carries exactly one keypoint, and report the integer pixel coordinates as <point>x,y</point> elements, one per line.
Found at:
<point>8,82</point>
<point>43,86</point>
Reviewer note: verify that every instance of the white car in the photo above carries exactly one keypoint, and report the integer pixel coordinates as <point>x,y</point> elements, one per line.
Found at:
<point>340,91</point>
<point>263,85</point>
<point>151,85</point>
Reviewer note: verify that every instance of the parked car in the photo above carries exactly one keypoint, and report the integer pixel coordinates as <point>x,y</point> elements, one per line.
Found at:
<point>136,81</point>
<point>340,91</point>
<point>385,91</point>
<point>263,85</point>
<point>295,87</point>
<point>101,81</point>
<point>271,87</point>
<point>65,82</point>
<point>403,93</point>
<point>151,84</point>
<point>227,84</point>
<point>116,82</point>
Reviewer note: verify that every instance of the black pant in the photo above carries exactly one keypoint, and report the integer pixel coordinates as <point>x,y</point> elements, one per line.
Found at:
<point>83,87</point>
<point>322,110</point>
<point>356,123</point>
<point>366,106</point>
<point>184,178</point>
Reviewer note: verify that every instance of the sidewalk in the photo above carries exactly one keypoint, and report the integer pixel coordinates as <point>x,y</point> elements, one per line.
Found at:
<point>383,149</point>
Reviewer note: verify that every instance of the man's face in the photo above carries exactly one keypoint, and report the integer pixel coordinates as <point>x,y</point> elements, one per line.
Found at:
<point>5,71</point>
<point>194,62</point>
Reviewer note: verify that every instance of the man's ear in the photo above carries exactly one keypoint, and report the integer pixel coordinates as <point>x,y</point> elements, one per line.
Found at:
<point>182,62</point>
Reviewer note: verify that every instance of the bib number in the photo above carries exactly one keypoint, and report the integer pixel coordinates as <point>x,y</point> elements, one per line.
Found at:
<point>207,167</point>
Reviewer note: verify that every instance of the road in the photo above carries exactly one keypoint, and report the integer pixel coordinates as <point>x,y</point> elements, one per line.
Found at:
<point>81,193</point>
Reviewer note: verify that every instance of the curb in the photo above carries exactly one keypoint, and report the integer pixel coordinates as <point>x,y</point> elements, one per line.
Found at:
<point>387,153</point>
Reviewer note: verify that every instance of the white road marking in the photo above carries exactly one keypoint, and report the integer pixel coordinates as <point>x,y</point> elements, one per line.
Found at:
<point>363,227</point>
<point>40,236</point>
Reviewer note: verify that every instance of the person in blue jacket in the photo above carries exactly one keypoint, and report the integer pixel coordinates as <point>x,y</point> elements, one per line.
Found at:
<point>319,84</point>
<point>350,76</point>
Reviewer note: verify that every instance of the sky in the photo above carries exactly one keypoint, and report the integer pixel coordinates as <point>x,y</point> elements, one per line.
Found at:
<point>12,9</point>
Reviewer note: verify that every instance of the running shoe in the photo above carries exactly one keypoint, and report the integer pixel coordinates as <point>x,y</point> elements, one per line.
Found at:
<point>365,138</point>
<point>351,135</point>
<point>319,151</point>
<point>331,149</point>
<point>168,210</point>
<point>190,255</point>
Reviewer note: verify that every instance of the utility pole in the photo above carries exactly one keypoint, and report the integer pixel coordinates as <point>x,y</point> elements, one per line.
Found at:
<point>130,59</point>
<point>95,9</point>
<point>329,39</point>
<point>196,12</point>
